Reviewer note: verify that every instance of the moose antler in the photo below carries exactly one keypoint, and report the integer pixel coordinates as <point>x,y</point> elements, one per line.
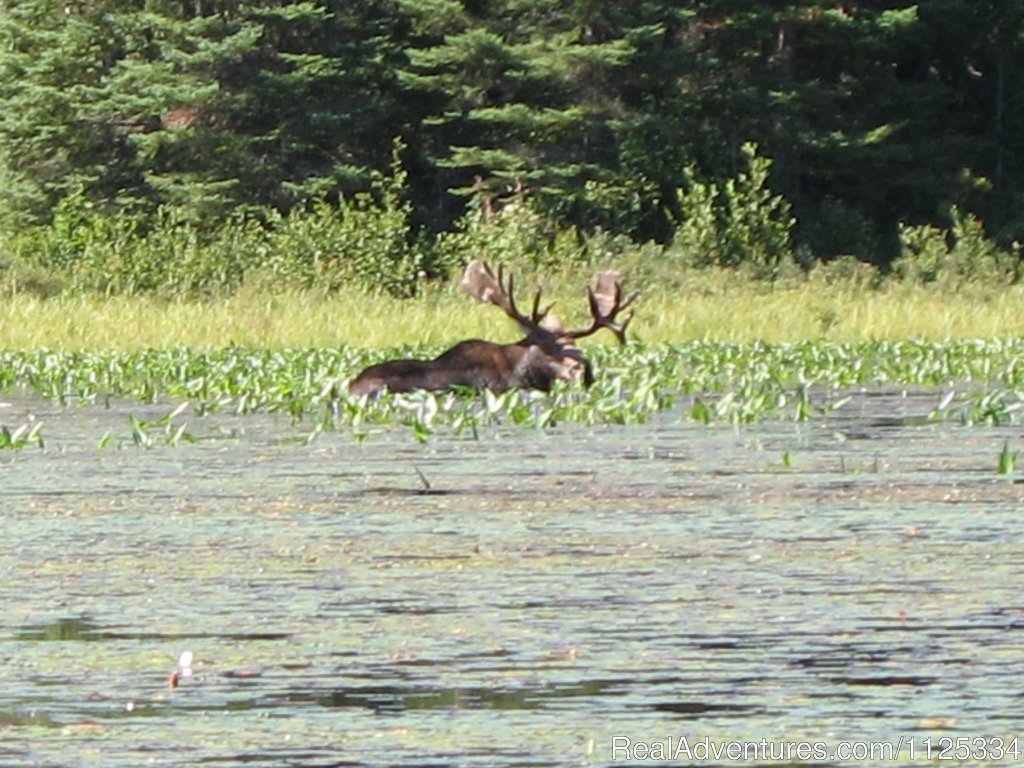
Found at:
<point>606,302</point>
<point>480,283</point>
<point>605,298</point>
<point>547,355</point>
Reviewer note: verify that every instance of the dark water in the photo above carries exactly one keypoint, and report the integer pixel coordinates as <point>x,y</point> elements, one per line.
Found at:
<point>522,599</point>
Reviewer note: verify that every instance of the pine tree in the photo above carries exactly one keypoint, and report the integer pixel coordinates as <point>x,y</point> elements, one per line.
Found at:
<point>202,106</point>
<point>533,95</point>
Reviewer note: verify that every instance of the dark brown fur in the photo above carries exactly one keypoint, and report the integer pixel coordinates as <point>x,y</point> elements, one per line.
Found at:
<point>477,364</point>
<point>546,355</point>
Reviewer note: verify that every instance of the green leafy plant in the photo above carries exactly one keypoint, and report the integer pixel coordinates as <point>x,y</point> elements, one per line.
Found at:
<point>739,223</point>
<point>1007,460</point>
<point>714,382</point>
<point>959,255</point>
<point>22,436</point>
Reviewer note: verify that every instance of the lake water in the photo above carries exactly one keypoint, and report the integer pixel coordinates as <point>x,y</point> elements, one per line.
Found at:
<point>527,598</point>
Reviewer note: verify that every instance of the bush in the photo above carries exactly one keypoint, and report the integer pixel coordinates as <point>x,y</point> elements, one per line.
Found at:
<point>363,242</point>
<point>518,236</point>
<point>739,224</point>
<point>961,255</point>
<point>848,271</point>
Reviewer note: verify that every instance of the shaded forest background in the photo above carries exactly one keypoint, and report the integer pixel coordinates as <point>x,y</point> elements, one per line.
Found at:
<point>370,135</point>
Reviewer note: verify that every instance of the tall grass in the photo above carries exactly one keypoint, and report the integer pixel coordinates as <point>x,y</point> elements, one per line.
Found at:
<point>708,305</point>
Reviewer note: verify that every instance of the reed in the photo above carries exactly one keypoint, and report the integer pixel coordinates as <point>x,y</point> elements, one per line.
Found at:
<point>705,306</point>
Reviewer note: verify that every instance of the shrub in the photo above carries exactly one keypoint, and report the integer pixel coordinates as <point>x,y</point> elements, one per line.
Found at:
<point>739,224</point>
<point>518,236</point>
<point>365,241</point>
<point>953,257</point>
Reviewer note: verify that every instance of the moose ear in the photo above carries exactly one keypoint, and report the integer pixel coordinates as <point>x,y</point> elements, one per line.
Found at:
<point>479,282</point>
<point>608,292</point>
<point>552,324</point>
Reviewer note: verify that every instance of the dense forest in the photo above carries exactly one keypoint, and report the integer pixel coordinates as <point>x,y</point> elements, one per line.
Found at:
<point>841,123</point>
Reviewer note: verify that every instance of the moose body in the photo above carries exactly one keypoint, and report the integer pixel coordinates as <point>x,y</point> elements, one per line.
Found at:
<point>477,364</point>
<point>547,354</point>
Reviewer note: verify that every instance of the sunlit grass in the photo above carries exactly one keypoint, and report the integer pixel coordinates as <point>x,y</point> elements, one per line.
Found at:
<point>254,320</point>
<point>703,306</point>
<point>834,313</point>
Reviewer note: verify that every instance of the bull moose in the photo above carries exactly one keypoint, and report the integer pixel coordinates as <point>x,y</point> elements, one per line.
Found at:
<point>546,354</point>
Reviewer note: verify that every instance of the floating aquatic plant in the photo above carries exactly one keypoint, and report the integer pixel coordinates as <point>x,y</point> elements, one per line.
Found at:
<point>708,382</point>
<point>22,436</point>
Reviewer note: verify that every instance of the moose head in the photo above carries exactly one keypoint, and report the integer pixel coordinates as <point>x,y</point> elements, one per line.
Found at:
<point>546,354</point>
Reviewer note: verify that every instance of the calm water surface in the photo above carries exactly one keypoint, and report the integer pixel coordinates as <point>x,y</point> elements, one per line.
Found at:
<point>524,599</point>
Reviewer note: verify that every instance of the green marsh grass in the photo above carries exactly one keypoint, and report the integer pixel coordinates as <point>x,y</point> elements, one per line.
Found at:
<point>29,433</point>
<point>702,305</point>
<point>716,347</point>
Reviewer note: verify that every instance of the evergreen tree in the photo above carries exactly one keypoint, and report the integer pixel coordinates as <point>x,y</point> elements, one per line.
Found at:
<point>533,95</point>
<point>873,113</point>
<point>204,106</point>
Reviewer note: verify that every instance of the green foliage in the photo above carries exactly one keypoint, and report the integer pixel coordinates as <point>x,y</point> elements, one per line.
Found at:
<point>847,271</point>
<point>162,254</point>
<point>29,433</point>
<point>198,108</point>
<point>706,382</point>
<point>365,242</point>
<point>832,228</point>
<point>188,148</point>
<point>737,224</point>
<point>953,257</point>
<point>518,236</point>
<point>1007,460</point>
<point>525,92</point>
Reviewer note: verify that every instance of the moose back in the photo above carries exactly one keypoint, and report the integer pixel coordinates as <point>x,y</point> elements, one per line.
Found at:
<point>546,354</point>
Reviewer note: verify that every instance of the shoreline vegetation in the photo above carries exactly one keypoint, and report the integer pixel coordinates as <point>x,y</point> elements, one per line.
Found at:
<point>191,177</point>
<point>712,306</point>
<point>362,275</point>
